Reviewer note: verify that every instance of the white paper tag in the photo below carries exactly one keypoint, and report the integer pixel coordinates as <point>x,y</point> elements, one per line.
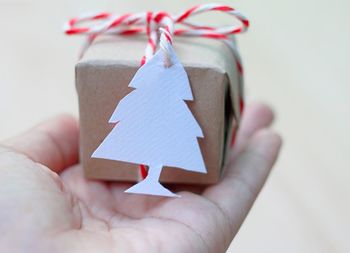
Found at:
<point>154,125</point>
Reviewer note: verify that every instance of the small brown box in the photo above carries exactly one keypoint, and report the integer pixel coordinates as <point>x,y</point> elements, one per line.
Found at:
<point>102,79</point>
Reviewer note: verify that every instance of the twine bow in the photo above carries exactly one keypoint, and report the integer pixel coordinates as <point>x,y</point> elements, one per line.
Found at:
<point>154,23</point>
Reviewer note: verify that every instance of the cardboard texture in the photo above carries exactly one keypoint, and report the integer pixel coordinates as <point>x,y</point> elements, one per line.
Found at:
<point>102,79</point>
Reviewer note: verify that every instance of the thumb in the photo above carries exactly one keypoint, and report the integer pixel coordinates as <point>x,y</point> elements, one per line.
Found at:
<point>53,143</point>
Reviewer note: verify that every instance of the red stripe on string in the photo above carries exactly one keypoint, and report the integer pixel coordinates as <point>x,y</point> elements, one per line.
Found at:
<point>101,15</point>
<point>119,20</point>
<point>238,30</point>
<point>153,45</point>
<point>223,8</point>
<point>131,22</point>
<point>73,21</point>
<point>77,30</point>
<point>131,31</point>
<point>201,27</point>
<point>179,32</point>
<point>241,105</point>
<point>143,171</point>
<point>245,22</point>
<point>214,36</point>
<point>168,38</point>
<point>148,23</point>
<point>143,60</point>
<point>158,18</point>
<point>186,14</point>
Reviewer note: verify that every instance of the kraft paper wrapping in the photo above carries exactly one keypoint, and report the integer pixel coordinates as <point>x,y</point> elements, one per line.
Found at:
<point>102,79</point>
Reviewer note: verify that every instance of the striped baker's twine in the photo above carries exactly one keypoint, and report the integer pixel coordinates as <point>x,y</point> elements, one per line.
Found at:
<point>154,23</point>
<point>150,23</point>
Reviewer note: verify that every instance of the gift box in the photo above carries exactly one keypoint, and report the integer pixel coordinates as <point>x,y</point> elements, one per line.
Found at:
<point>102,79</point>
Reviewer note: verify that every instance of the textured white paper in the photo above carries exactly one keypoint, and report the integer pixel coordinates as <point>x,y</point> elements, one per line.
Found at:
<point>154,125</point>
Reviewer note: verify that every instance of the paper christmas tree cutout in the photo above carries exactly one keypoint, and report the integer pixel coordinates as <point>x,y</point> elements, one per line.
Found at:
<point>154,125</point>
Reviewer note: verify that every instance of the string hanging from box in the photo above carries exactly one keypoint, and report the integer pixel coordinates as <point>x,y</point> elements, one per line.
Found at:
<point>154,23</point>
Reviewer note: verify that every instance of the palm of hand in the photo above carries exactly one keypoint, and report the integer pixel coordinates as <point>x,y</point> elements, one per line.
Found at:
<point>42,211</point>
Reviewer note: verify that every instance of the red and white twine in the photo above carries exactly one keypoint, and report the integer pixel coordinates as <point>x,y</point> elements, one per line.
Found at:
<point>154,23</point>
<point>151,23</point>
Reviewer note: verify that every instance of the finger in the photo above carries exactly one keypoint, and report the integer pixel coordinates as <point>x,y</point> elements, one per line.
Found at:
<point>53,143</point>
<point>255,117</point>
<point>245,177</point>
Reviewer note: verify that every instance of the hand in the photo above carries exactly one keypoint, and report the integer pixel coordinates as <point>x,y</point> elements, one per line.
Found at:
<point>46,205</point>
